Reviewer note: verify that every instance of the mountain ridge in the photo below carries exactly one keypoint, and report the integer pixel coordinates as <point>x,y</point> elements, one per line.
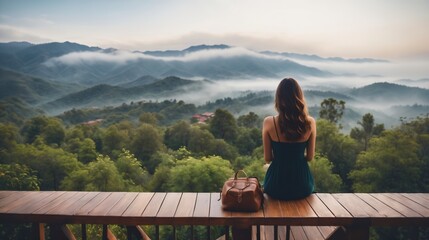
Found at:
<point>73,62</point>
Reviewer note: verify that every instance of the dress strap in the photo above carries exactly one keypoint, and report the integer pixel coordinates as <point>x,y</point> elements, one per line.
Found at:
<point>275,126</point>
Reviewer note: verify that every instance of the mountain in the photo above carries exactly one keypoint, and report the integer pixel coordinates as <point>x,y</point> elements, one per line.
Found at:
<point>384,92</point>
<point>107,95</point>
<point>30,89</point>
<point>76,63</point>
<point>313,57</point>
<point>143,80</point>
<point>15,110</point>
<point>181,53</point>
<point>13,47</point>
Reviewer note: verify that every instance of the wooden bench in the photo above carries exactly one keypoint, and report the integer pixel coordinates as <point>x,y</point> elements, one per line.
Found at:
<point>354,212</point>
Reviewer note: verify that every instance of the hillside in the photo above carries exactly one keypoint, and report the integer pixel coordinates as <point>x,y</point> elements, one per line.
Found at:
<point>107,95</point>
<point>391,93</point>
<point>72,62</point>
<point>30,89</point>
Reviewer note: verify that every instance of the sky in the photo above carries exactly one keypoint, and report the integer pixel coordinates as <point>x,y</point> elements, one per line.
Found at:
<point>387,29</point>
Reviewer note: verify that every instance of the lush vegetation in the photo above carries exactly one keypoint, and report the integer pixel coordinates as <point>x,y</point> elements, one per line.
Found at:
<point>154,146</point>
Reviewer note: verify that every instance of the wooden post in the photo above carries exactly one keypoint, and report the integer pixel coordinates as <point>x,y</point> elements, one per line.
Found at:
<point>38,231</point>
<point>104,232</point>
<point>276,232</point>
<point>157,232</point>
<point>83,231</point>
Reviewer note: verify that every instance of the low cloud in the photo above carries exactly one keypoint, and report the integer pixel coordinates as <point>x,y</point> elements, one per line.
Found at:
<point>122,57</point>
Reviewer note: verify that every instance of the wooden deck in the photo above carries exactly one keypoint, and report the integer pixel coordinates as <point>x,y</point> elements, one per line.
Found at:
<point>356,212</point>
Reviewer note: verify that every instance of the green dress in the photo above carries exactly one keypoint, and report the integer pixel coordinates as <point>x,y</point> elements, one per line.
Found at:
<point>288,176</point>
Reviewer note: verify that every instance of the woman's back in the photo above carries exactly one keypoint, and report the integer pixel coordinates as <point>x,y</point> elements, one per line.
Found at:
<point>288,176</point>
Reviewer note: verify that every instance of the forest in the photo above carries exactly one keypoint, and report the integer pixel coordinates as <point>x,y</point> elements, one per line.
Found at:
<point>158,146</point>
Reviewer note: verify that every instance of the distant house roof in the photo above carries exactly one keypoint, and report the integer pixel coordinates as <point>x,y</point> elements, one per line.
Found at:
<point>202,118</point>
<point>93,122</point>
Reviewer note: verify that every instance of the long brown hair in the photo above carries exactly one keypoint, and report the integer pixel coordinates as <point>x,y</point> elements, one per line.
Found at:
<point>292,109</point>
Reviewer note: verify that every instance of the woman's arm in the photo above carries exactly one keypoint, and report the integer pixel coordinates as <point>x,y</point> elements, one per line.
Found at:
<point>311,147</point>
<point>266,140</point>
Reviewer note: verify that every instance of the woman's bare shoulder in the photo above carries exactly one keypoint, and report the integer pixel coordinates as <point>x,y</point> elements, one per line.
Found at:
<point>268,121</point>
<point>311,119</point>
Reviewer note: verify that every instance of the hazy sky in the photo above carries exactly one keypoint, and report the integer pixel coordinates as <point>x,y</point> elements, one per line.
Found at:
<point>346,28</point>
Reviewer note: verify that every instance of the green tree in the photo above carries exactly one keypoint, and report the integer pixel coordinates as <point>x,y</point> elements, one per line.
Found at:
<point>87,152</point>
<point>149,118</point>
<point>8,140</point>
<point>391,164</point>
<point>132,171</point>
<point>51,129</point>
<point>178,135</point>
<point>200,140</point>
<point>332,110</point>
<point>104,176</point>
<point>250,120</point>
<point>17,177</point>
<point>340,149</point>
<point>77,180</point>
<point>224,126</point>
<point>325,180</point>
<point>248,139</point>
<point>206,174</point>
<point>146,141</point>
<point>369,128</point>
<point>8,136</point>
<point>52,165</point>
<point>220,147</point>
<point>114,139</point>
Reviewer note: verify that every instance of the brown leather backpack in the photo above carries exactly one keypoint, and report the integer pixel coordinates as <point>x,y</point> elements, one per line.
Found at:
<point>242,194</point>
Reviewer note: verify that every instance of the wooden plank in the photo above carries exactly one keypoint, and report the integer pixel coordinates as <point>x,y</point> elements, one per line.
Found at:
<point>326,230</point>
<point>57,201</point>
<point>313,233</point>
<point>153,206</point>
<point>33,202</point>
<point>267,232</point>
<point>202,208</point>
<point>379,206</point>
<point>336,208</point>
<point>409,203</point>
<point>246,219</point>
<point>271,207</point>
<point>138,206</point>
<point>217,215</point>
<point>185,209</point>
<point>119,208</point>
<point>281,232</point>
<point>423,195</point>
<point>104,206</point>
<point>15,199</point>
<point>91,204</point>
<point>297,232</point>
<point>397,206</point>
<point>356,206</point>
<point>289,209</point>
<point>418,198</point>
<point>70,208</point>
<point>6,193</point>
<point>304,209</point>
<point>318,206</point>
<point>168,208</point>
<point>390,216</point>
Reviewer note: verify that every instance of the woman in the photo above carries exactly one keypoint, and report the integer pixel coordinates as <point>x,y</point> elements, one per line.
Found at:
<point>289,141</point>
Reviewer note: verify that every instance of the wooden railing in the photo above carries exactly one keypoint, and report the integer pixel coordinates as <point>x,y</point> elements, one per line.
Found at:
<point>354,212</point>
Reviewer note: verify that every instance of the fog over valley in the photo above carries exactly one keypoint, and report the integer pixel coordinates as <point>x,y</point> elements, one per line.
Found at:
<point>70,75</point>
